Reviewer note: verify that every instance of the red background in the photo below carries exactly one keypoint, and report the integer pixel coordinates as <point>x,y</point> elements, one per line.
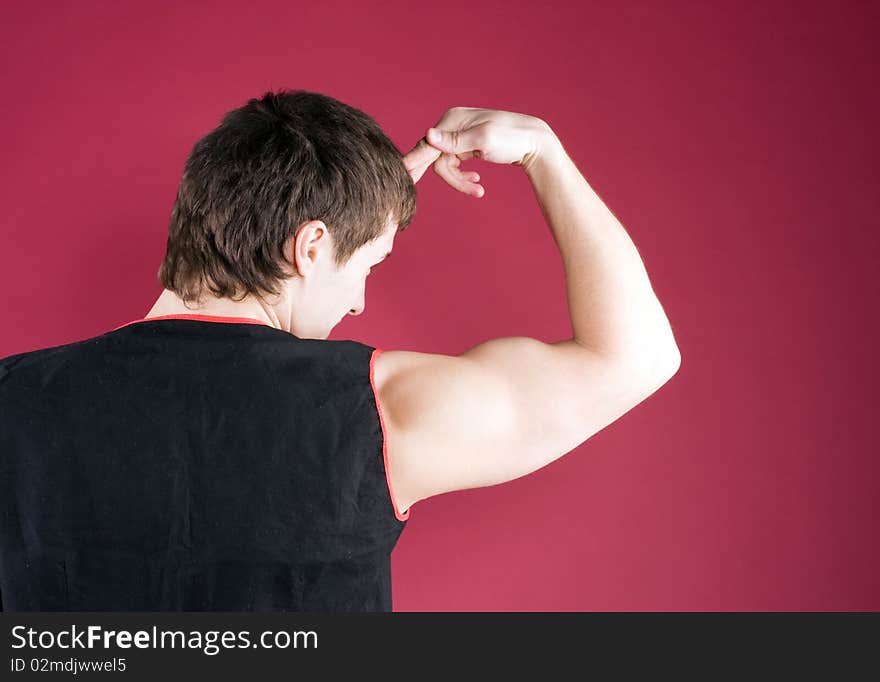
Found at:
<point>735,141</point>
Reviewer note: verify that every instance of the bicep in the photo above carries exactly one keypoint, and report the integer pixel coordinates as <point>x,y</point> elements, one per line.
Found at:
<point>498,411</point>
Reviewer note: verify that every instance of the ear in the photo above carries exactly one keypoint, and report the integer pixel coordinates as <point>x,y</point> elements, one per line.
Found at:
<point>299,247</point>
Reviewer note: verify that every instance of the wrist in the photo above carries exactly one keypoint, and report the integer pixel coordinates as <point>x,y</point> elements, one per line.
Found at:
<point>548,152</point>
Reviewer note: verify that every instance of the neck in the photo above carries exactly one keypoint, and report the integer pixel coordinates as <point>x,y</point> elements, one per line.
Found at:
<point>169,303</point>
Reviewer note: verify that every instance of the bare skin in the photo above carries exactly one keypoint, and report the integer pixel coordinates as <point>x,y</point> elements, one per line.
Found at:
<point>508,406</point>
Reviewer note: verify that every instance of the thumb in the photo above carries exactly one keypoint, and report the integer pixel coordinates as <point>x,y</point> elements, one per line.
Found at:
<point>465,144</point>
<point>443,139</point>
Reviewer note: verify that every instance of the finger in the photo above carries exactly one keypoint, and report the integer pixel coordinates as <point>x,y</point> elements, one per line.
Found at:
<point>419,158</point>
<point>447,168</point>
<point>463,156</point>
<point>460,142</point>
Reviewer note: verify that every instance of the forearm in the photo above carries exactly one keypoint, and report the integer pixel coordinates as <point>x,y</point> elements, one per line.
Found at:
<point>612,304</point>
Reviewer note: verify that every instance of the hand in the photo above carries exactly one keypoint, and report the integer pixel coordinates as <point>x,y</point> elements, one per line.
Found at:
<point>467,132</point>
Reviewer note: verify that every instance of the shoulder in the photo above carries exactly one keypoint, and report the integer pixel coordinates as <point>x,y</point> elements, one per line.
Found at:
<point>423,399</point>
<point>385,365</point>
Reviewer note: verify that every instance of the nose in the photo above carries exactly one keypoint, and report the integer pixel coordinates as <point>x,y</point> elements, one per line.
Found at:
<point>356,311</point>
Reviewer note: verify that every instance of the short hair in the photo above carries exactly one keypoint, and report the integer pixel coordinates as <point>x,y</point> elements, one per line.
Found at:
<point>271,165</point>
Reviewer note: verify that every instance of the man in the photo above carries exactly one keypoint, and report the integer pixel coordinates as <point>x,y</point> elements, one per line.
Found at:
<point>222,453</point>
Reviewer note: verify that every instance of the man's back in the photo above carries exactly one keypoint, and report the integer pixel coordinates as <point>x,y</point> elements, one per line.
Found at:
<point>194,464</point>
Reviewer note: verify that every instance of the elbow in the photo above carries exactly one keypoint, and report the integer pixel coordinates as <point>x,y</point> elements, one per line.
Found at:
<point>674,360</point>
<point>647,373</point>
<point>659,368</point>
<point>667,358</point>
<point>652,366</point>
<point>667,366</point>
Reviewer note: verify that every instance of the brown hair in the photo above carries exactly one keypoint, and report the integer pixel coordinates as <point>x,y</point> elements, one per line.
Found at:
<point>270,166</point>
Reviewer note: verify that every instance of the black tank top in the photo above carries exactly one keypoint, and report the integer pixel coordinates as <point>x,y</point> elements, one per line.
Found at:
<point>193,462</point>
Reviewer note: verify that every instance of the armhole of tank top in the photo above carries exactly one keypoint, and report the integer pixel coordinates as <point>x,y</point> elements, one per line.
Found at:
<point>404,516</point>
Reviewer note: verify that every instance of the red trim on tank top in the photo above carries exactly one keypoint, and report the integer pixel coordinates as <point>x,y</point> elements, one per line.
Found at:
<point>405,515</point>
<point>206,318</point>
